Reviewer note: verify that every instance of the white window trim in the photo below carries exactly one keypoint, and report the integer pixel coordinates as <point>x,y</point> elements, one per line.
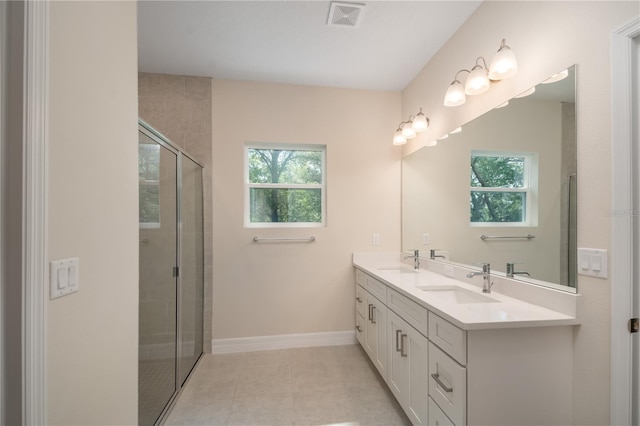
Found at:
<point>531,166</point>
<point>248,186</point>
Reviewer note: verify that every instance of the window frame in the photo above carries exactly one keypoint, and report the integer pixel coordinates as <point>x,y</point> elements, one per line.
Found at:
<point>248,185</point>
<point>530,188</point>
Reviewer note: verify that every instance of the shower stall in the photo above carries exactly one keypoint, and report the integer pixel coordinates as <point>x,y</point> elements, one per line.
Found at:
<point>171,271</point>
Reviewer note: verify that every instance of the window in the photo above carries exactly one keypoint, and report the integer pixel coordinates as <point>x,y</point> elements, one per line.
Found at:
<point>284,185</point>
<point>503,189</point>
<point>149,185</point>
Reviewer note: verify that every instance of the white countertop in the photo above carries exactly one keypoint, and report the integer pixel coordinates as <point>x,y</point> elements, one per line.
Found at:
<point>505,312</point>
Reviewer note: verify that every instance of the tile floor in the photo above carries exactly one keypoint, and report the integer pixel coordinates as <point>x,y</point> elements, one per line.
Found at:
<point>303,386</point>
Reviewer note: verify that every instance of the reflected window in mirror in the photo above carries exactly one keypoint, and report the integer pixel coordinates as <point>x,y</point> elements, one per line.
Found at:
<point>503,188</point>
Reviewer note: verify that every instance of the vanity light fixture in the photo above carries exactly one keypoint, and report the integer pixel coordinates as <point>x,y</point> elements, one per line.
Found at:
<point>408,129</point>
<point>446,135</point>
<point>502,105</point>
<point>398,137</point>
<point>432,143</point>
<point>503,65</point>
<point>420,122</point>
<point>456,130</point>
<point>455,93</point>
<point>477,80</point>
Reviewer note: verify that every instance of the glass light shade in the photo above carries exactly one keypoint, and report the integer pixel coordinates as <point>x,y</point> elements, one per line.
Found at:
<point>455,95</point>
<point>526,93</point>
<point>477,81</point>
<point>456,130</point>
<point>432,143</point>
<point>443,137</point>
<point>408,131</point>
<point>503,65</point>
<point>502,105</point>
<point>420,123</point>
<point>557,77</point>
<point>398,138</point>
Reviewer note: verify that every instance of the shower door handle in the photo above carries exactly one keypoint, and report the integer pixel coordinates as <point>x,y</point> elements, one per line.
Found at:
<point>176,271</point>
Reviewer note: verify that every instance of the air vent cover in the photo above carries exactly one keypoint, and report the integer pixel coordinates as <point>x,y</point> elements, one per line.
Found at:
<point>345,14</point>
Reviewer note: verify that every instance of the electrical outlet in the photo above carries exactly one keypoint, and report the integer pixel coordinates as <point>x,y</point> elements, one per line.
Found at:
<point>375,239</point>
<point>426,239</point>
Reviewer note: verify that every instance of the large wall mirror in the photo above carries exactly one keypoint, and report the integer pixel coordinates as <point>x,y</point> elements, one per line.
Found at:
<point>502,190</point>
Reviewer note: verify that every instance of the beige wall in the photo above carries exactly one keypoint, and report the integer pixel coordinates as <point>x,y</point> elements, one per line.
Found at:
<point>548,37</point>
<point>179,107</point>
<point>262,289</point>
<point>92,336</point>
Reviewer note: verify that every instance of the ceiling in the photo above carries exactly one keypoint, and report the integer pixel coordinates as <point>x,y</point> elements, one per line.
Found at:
<point>290,41</point>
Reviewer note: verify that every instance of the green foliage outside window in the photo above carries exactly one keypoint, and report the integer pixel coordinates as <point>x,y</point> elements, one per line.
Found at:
<point>285,185</point>
<point>492,177</point>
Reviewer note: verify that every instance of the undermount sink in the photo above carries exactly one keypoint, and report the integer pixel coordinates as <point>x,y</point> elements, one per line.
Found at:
<point>458,295</point>
<point>403,270</point>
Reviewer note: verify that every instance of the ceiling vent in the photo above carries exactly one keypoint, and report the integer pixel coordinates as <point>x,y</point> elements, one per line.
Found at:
<point>345,14</point>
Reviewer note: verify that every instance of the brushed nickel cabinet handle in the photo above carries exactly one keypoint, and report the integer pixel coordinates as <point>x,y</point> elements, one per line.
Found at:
<point>370,314</point>
<point>397,340</point>
<point>436,377</point>
<point>359,299</point>
<point>358,328</point>
<point>373,315</point>
<point>402,354</point>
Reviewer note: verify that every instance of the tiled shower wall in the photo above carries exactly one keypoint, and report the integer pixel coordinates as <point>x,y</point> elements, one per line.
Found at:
<point>179,107</point>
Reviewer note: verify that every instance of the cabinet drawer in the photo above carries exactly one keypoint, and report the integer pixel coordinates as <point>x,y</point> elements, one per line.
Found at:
<point>448,337</point>
<point>437,416</point>
<point>360,301</point>
<point>448,385</point>
<point>410,311</point>
<point>376,288</point>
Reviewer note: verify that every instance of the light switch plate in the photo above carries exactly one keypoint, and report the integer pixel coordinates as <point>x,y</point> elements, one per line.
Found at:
<point>592,262</point>
<point>375,239</point>
<point>64,277</point>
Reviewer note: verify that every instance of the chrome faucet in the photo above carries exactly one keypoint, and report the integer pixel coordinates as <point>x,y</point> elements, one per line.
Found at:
<point>511,270</point>
<point>486,277</point>
<point>433,254</point>
<point>416,259</point>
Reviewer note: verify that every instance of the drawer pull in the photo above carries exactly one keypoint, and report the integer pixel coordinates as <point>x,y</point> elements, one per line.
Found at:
<point>373,315</point>
<point>402,354</point>
<point>397,340</point>
<point>359,299</point>
<point>358,328</point>
<point>370,315</point>
<point>436,377</point>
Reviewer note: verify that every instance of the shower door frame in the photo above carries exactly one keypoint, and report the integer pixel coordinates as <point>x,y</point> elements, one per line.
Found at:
<point>148,130</point>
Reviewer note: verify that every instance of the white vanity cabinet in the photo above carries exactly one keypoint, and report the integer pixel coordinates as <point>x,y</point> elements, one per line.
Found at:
<point>407,372</point>
<point>371,322</point>
<point>442,374</point>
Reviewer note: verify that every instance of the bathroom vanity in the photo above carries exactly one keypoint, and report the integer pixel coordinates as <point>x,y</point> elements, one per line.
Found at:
<point>452,355</point>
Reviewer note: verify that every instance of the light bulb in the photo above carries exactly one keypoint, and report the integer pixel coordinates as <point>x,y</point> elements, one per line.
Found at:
<point>408,131</point>
<point>455,95</point>
<point>477,81</point>
<point>421,122</point>
<point>504,64</point>
<point>398,138</point>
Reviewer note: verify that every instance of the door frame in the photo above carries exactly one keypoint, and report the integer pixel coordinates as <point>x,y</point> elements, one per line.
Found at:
<point>622,220</point>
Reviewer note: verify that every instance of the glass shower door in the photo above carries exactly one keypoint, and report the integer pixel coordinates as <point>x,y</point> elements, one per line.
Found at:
<point>158,186</point>
<point>191,266</point>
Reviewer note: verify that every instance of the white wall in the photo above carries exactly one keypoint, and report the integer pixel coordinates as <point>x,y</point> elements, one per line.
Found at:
<point>92,335</point>
<point>262,289</point>
<point>548,37</point>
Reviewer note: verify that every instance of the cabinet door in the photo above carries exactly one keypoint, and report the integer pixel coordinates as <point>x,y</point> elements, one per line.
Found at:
<point>376,334</point>
<point>407,373</point>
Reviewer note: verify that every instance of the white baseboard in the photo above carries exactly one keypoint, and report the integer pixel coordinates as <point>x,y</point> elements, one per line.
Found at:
<point>284,341</point>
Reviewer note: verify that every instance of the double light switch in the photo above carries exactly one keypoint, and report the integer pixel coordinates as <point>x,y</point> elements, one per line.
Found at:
<point>592,262</point>
<point>64,276</point>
